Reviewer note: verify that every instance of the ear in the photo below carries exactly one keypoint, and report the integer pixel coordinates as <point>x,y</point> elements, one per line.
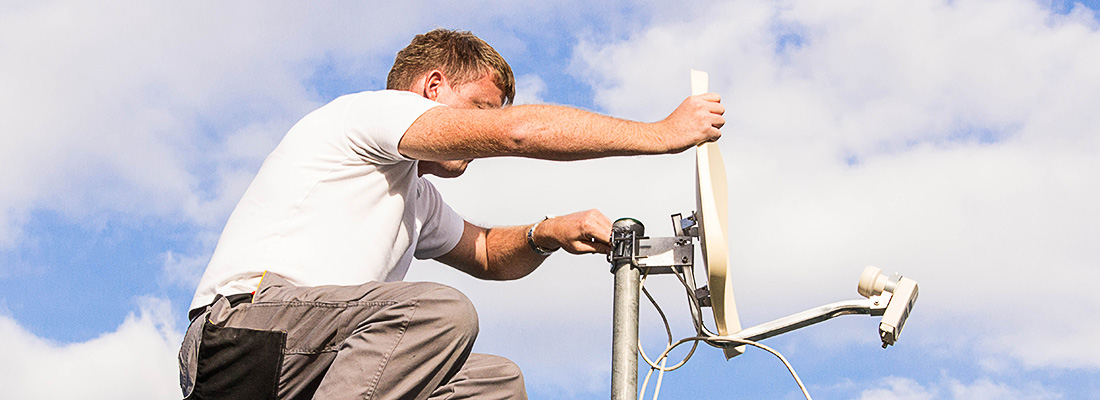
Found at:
<point>434,81</point>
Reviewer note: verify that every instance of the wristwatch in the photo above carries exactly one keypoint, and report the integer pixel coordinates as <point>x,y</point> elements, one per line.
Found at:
<point>531,239</point>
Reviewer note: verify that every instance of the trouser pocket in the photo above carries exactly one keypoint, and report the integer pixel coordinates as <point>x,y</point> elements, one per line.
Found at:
<point>238,364</point>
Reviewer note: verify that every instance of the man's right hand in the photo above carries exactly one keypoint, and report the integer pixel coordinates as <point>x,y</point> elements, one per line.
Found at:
<point>697,120</point>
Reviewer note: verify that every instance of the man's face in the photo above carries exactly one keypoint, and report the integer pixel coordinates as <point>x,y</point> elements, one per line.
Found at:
<point>481,93</point>
<point>478,94</point>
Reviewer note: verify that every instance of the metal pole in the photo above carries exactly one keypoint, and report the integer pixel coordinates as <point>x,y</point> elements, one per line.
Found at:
<point>624,343</point>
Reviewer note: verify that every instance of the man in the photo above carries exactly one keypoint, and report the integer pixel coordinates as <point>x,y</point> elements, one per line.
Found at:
<point>303,296</point>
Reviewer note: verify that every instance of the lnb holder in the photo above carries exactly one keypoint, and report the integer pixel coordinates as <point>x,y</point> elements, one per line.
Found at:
<point>900,293</point>
<point>891,297</point>
<point>653,255</point>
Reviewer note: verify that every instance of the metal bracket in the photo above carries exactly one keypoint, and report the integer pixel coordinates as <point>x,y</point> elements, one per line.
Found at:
<point>660,255</point>
<point>685,226</point>
<point>656,255</point>
<point>703,295</point>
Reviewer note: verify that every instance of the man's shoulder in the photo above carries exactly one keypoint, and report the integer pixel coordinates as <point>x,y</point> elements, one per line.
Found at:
<point>372,106</point>
<point>372,123</point>
<point>385,94</point>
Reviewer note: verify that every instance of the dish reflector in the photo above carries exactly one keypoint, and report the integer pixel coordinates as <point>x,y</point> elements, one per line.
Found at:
<point>712,203</point>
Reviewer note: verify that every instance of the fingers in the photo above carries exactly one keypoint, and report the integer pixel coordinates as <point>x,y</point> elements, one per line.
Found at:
<point>712,104</point>
<point>709,96</point>
<point>588,248</point>
<point>584,232</point>
<point>598,228</point>
<point>708,114</point>
<point>717,123</point>
<point>594,235</point>
<point>710,99</point>
<point>598,244</point>
<point>717,108</point>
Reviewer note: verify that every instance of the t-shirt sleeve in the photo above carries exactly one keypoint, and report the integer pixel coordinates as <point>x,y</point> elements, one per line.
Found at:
<point>374,123</point>
<point>441,227</point>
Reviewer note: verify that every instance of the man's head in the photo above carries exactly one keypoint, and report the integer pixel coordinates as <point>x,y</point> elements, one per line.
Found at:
<point>454,68</point>
<point>460,56</point>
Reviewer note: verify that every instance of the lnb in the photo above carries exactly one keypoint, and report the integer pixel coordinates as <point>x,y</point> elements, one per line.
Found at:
<point>898,292</point>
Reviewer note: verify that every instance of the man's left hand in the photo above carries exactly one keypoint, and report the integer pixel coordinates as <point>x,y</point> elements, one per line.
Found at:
<point>578,233</point>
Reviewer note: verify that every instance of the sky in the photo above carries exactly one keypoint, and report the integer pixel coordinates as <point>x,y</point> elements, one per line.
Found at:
<point>954,142</point>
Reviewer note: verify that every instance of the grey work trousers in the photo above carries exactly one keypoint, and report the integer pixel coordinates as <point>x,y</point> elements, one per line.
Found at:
<point>395,340</point>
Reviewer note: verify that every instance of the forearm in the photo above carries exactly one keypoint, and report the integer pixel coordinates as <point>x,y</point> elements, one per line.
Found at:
<point>503,253</point>
<point>563,134</point>
<point>556,132</point>
<point>509,256</point>
<point>496,254</point>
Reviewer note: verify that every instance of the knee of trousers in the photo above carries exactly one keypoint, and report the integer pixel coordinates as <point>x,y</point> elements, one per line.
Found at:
<point>506,375</point>
<point>449,308</point>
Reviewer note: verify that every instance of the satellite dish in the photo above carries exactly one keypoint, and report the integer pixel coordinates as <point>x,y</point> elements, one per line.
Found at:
<point>712,203</point>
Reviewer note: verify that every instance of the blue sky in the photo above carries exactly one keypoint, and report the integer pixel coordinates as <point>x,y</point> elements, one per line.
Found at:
<point>954,142</point>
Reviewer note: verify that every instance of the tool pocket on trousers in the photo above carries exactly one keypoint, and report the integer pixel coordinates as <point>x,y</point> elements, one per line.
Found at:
<point>238,364</point>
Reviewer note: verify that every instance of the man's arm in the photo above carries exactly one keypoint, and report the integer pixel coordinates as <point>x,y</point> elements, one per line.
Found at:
<point>503,253</point>
<point>557,132</point>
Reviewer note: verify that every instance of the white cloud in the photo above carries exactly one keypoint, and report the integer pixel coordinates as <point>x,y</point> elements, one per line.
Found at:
<point>137,361</point>
<point>156,109</point>
<point>163,112</point>
<point>899,389</point>
<point>529,89</point>
<point>183,270</point>
<point>895,388</point>
<point>970,127</point>
<point>954,142</point>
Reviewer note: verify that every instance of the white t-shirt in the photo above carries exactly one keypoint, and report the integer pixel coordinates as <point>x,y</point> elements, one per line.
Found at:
<point>335,203</point>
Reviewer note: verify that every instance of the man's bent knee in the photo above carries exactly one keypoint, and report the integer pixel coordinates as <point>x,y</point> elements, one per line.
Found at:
<point>511,377</point>
<point>492,377</point>
<point>448,307</point>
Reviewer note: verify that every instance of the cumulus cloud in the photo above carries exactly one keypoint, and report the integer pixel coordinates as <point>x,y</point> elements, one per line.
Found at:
<point>895,388</point>
<point>156,109</point>
<point>529,89</point>
<point>183,270</point>
<point>899,389</point>
<point>156,113</point>
<point>953,142</point>
<point>137,361</point>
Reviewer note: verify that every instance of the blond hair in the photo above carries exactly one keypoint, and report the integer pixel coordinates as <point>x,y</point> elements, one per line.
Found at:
<point>461,56</point>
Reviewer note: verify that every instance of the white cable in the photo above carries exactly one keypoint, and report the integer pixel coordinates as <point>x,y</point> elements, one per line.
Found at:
<point>645,383</point>
<point>664,362</point>
<point>693,301</point>
<point>663,357</point>
<point>641,350</point>
<point>641,392</point>
<point>662,368</point>
<point>668,329</point>
<point>660,377</point>
<point>747,342</point>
